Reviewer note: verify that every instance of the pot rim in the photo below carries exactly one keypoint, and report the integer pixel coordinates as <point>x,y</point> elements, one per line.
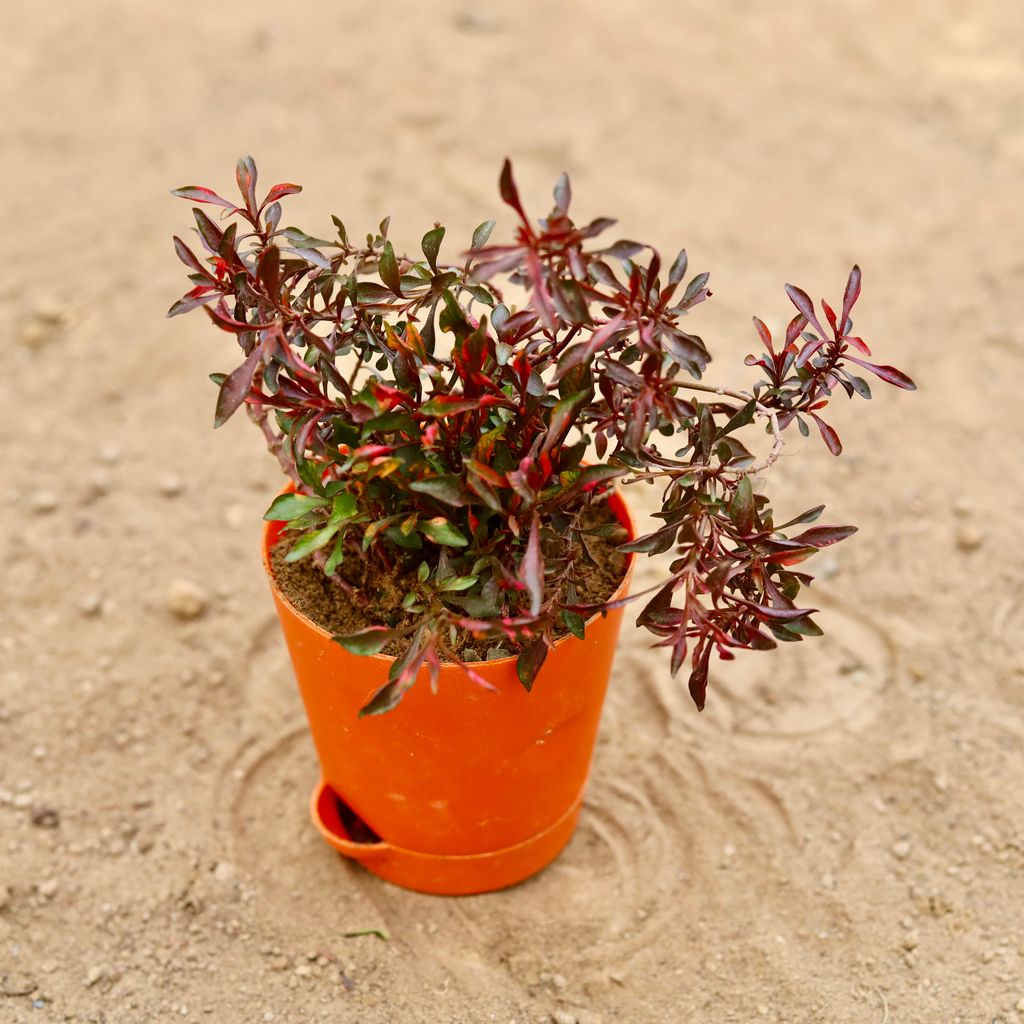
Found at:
<point>625,519</point>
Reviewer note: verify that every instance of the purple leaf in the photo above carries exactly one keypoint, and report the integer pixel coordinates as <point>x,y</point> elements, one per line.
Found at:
<point>829,436</point>
<point>823,536</point>
<point>888,373</point>
<point>529,662</point>
<point>851,294</point>
<point>531,571</point>
<point>803,303</point>
<point>236,386</point>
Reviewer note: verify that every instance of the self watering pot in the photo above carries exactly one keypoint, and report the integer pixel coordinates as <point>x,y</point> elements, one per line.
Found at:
<point>459,791</point>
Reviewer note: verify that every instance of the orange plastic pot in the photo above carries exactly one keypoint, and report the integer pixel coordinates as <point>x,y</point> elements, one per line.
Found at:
<point>468,790</point>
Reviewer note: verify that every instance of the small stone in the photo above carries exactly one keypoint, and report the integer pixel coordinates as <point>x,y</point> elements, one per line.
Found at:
<point>5,898</point>
<point>17,985</point>
<point>901,849</point>
<point>1020,1005</point>
<point>51,314</point>
<point>304,971</point>
<point>186,600</point>
<point>34,335</point>
<point>563,1017</point>
<point>49,966</point>
<point>224,871</point>
<point>45,817</point>
<point>558,981</point>
<point>94,976</point>
<point>110,454</point>
<point>969,538</point>
<point>91,604</point>
<point>98,484</point>
<point>170,486</point>
<point>44,502</point>
<point>47,888</point>
<point>38,752</point>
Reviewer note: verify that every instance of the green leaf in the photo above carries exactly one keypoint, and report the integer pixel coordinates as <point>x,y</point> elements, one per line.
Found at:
<point>742,510</point>
<point>287,507</point>
<point>440,531</point>
<point>574,622</point>
<point>454,583</point>
<point>448,489</point>
<point>302,240</point>
<point>386,699</point>
<point>803,627</point>
<point>740,419</point>
<point>337,556</point>
<point>482,233</point>
<point>311,542</point>
<point>431,245</point>
<point>449,405</point>
<point>371,640</point>
<point>423,572</point>
<point>344,508</point>
<point>388,269</point>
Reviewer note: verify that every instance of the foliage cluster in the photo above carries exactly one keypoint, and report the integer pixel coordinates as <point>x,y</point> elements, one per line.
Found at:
<point>429,420</point>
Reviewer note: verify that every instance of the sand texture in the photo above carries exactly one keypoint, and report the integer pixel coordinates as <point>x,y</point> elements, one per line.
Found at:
<point>838,837</point>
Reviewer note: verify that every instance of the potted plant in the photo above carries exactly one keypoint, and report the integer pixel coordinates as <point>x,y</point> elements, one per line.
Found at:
<point>451,556</point>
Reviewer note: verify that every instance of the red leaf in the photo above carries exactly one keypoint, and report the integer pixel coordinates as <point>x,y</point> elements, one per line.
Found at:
<point>188,257</point>
<point>191,301</point>
<point>829,436</point>
<point>279,191</point>
<point>236,386</point>
<point>198,194</point>
<point>888,373</point>
<point>803,303</point>
<point>765,334</point>
<point>851,295</point>
<point>245,175</point>
<point>699,678</point>
<point>823,536</point>
<point>509,192</point>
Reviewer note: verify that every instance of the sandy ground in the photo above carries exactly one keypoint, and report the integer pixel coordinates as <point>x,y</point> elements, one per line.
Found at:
<point>839,837</point>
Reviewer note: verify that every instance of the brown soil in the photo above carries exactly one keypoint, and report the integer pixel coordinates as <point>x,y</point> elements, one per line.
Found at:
<point>376,594</point>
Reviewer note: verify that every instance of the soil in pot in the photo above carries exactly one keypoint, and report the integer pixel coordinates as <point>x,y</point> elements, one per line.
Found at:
<point>377,594</point>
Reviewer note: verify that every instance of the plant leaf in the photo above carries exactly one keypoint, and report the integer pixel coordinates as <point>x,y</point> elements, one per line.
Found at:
<point>481,234</point>
<point>371,640</point>
<point>431,245</point>
<point>531,570</point>
<point>441,531</point>
<point>530,661</point>
<point>286,507</point>
<point>235,387</point>
<point>198,194</point>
